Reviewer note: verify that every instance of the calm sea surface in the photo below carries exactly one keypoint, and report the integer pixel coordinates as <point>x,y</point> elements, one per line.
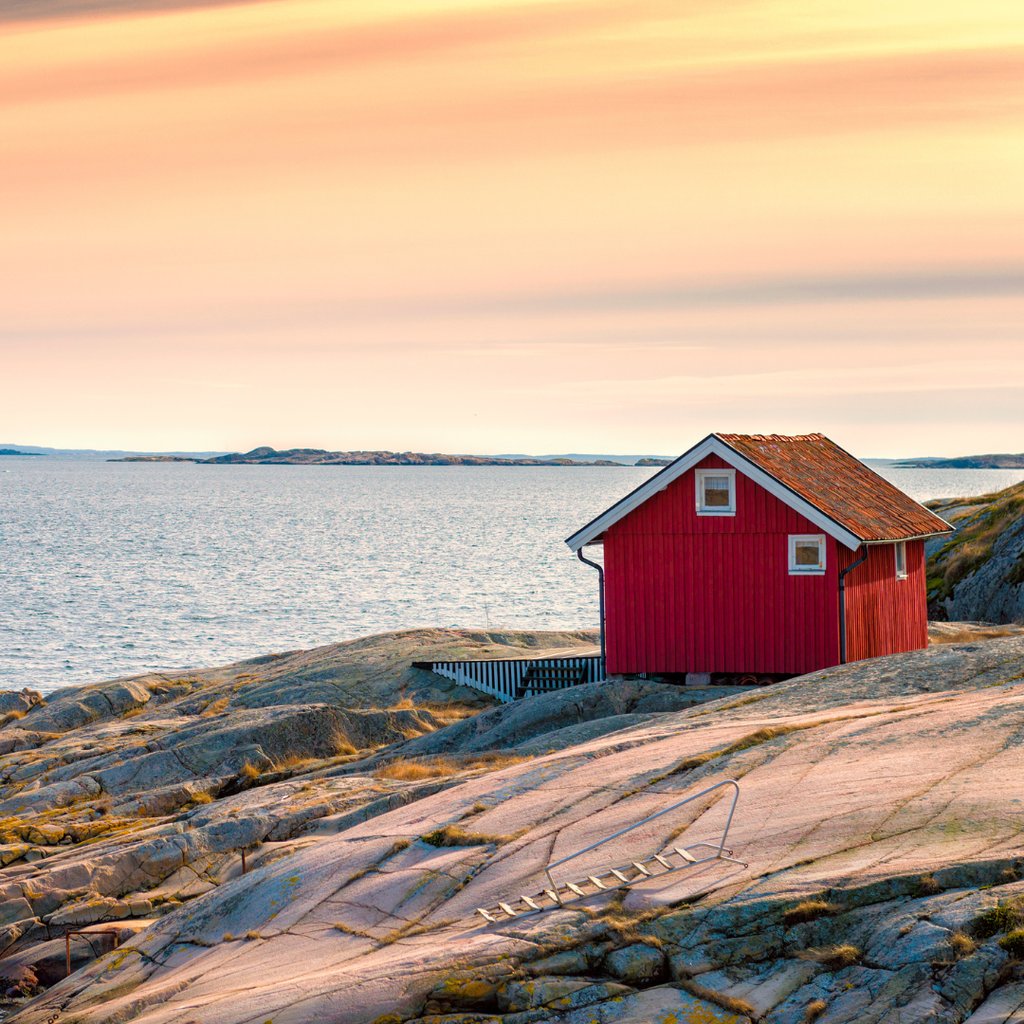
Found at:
<point>115,568</point>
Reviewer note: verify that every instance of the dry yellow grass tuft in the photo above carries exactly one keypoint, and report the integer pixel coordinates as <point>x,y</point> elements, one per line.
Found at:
<point>833,957</point>
<point>753,739</point>
<point>202,798</point>
<point>452,835</point>
<point>709,995</point>
<point>249,772</point>
<point>215,707</point>
<point>814,1009</point>
<point>442,767</point>
<point>414,771</point>
<point>294,763</point>
<point>495,760</point>
<point>962,944</point>
<point>809,910</point>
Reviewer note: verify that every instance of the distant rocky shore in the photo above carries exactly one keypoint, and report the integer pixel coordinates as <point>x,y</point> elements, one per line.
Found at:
<point>265,456</point>
<point>966,462</point>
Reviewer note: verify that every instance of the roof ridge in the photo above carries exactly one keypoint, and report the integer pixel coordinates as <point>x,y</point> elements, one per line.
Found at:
<point>777,437</point>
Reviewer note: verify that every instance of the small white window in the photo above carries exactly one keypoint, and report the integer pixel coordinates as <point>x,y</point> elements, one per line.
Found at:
<point>900,549</point>
<point>716,492</point>
<point>806,554</point>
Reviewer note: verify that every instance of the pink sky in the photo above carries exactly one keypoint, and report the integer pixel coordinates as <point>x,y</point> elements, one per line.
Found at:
<point>538,227</point>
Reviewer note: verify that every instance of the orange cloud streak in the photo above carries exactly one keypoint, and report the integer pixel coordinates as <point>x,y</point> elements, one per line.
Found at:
<point>254,180</point>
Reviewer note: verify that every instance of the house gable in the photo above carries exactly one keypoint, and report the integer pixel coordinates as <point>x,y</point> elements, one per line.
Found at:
<point>712,445</point>
<point>713,593</point>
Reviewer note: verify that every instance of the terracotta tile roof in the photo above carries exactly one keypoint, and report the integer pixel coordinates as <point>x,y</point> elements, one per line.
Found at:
<point>838,485</point>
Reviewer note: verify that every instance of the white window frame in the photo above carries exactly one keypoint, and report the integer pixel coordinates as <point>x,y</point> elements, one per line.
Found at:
<point>897,548</point>
<point>718,510</point>
<point>807,538</point>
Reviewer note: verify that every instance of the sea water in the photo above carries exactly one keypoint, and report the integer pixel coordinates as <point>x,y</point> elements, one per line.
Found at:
<point>109,569</point>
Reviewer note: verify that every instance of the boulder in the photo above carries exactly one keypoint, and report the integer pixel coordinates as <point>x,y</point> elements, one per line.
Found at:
<point>636,964</point>
<point>555,993</point>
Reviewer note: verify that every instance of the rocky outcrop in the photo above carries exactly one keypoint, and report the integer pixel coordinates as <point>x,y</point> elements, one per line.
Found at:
<point>978,573</point>
<point>880,819</point>
<point>123,801</point>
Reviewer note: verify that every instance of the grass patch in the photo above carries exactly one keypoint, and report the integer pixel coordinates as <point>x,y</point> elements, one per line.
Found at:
<point>215,707</point>
<point>494,761</point>
<point>249,772</point>
<point>1013,943</point>
<point>709,995</point>
<point>452,835</point>
<point>294,763</point>
<point>753,739</point>
<point>809,910</point>
<point>962,945</point>
<point>814,1009</point>
<point>414,771</point>
<point>927,885</point>
<point>834,957</point>
<point>1005,916</point>
<point>443,767</point>
<point>202,798</point>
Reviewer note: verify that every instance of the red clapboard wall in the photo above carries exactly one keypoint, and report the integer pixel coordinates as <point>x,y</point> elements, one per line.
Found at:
<point>689,593</point>
<point>886,615</point>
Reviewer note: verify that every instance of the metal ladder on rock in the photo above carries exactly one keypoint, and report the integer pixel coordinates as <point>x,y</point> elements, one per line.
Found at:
<point>658,865</point>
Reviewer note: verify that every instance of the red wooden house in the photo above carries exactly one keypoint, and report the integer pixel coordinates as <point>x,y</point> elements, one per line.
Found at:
<point>762,555</point>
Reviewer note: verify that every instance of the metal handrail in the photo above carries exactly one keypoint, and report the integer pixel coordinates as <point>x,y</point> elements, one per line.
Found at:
<point>629,828</point>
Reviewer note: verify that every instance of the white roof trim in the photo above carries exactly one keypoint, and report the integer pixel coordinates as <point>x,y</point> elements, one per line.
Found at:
<point>711,445</point>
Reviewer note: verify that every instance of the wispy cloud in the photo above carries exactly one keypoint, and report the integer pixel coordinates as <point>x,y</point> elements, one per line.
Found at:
<point>402,208</point>
<point>897,285</point>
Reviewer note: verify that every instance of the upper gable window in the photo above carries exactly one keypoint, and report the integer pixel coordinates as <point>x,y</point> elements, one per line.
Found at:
<point>900,549</point>
<point>806,554</point>
<point>716,492</point>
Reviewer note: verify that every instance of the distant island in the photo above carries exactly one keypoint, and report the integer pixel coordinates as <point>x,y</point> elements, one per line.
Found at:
<point>158,458</point>
<point>966,462</point>
<point>14,451</point>
<point>98,454</point>
<point>266,456</point>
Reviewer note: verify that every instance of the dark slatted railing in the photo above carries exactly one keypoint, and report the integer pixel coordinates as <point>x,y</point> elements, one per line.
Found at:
<point>503,679</point>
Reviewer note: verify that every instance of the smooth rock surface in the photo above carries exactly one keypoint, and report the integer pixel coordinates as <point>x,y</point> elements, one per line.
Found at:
<point>887,791</point>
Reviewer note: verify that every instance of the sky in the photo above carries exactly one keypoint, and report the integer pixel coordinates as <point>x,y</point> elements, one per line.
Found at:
<point>541,226</point>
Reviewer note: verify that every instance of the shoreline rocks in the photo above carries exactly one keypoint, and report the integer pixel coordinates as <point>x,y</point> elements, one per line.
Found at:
<point>879,816</point>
